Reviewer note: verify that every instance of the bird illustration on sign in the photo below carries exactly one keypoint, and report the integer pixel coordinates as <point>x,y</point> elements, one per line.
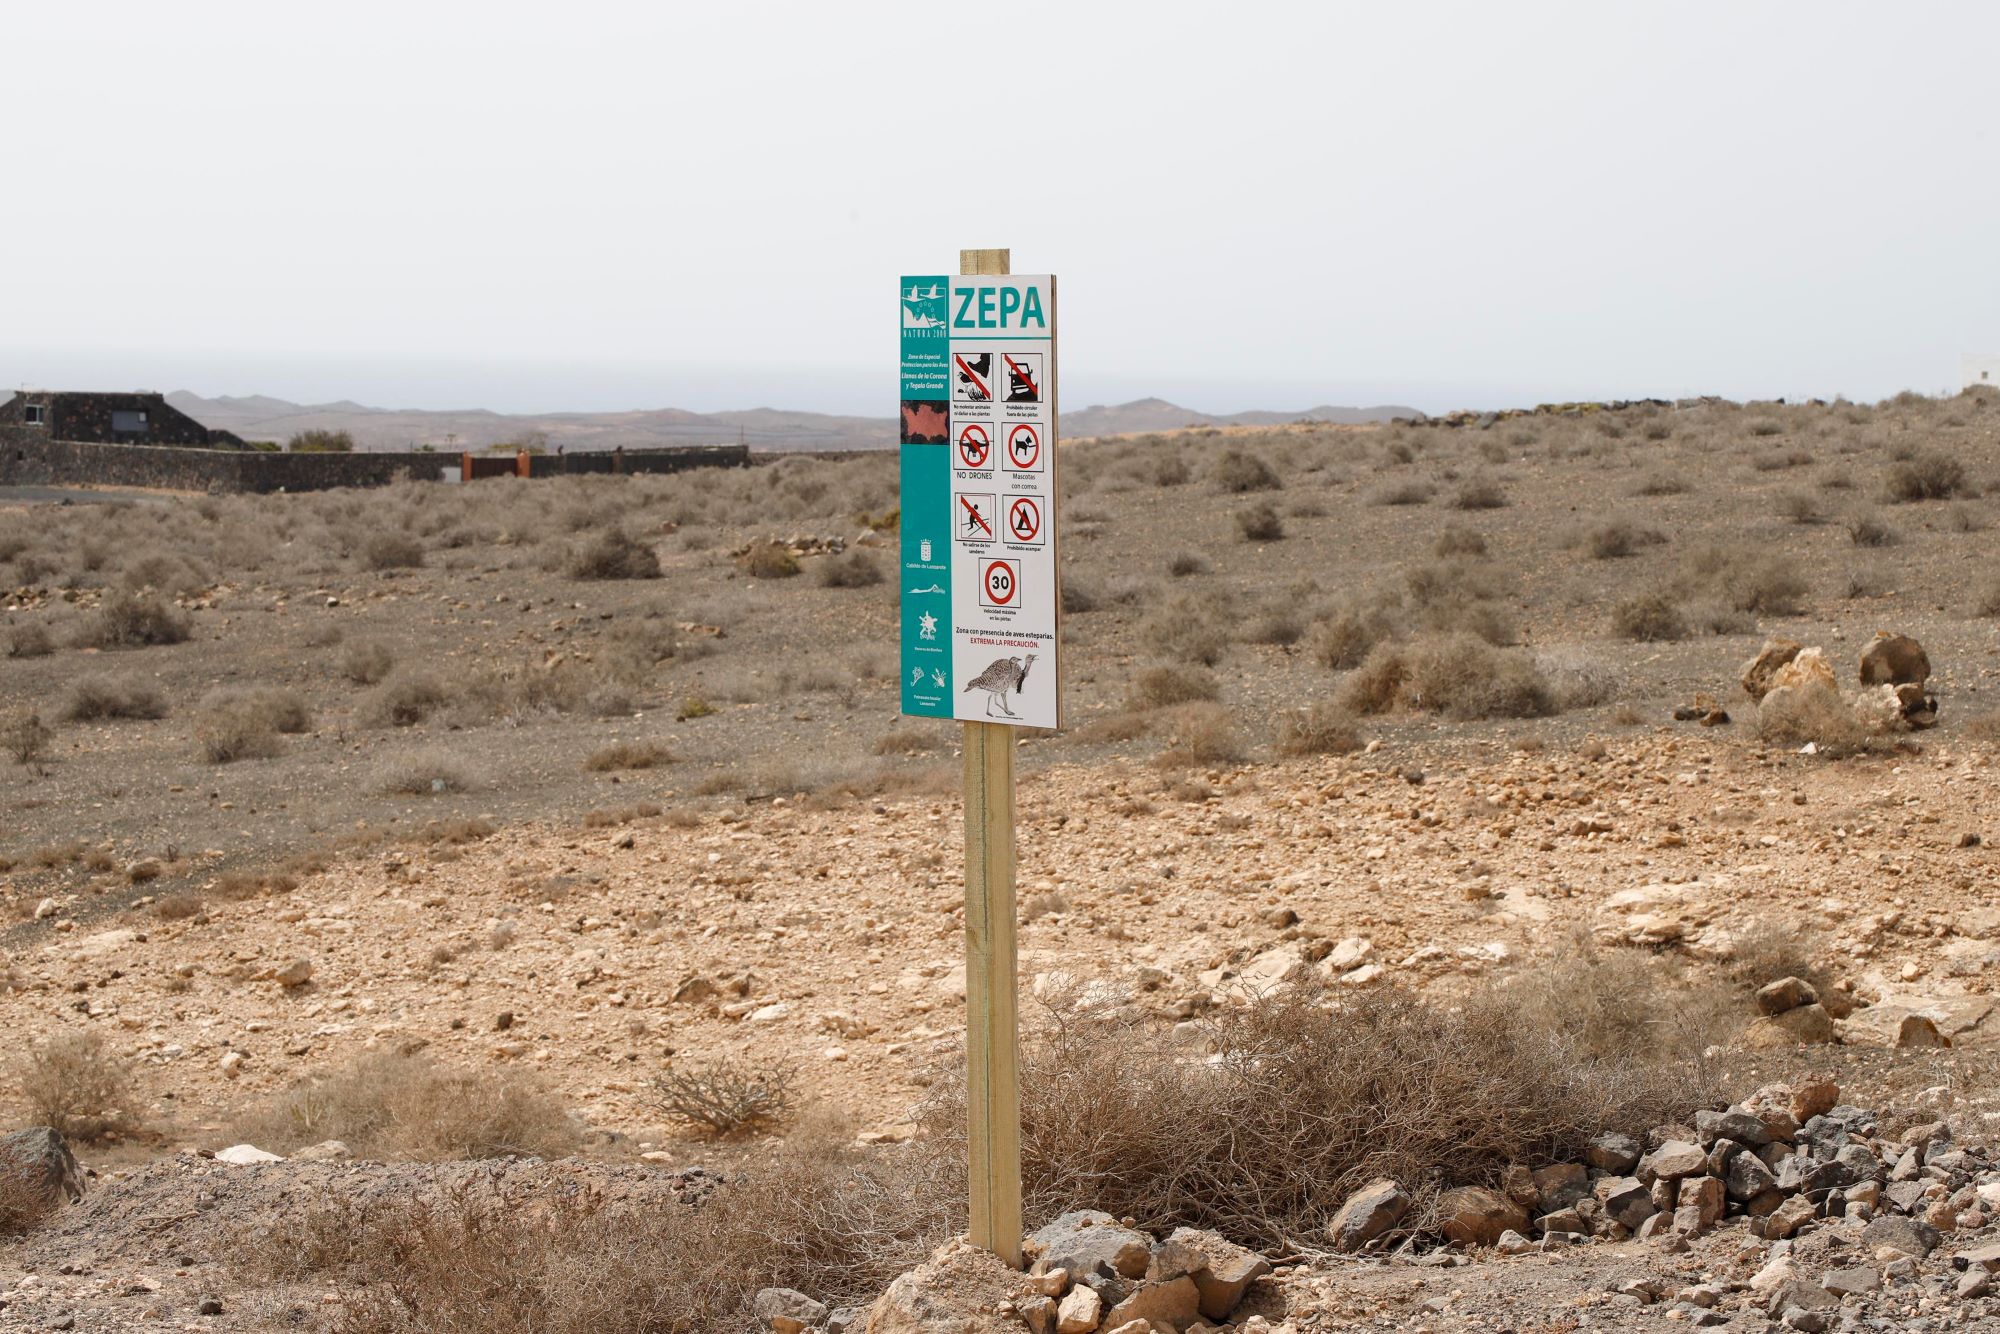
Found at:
<point>1003,675</point>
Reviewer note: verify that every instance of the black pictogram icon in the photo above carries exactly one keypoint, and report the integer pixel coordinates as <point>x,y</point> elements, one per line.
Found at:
<point>1024,447</point>
<point>972,377</point>
<point>1024,519</point>
<point>975,445</point>
<point>1024,376</point>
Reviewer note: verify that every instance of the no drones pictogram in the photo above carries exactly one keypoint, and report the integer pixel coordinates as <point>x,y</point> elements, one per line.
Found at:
<point>1024,520</point>
<point>975,444</point>
<point>1024,447</point>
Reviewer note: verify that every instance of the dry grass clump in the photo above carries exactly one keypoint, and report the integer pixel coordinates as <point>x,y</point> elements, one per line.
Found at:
<point>390,1105</point>
<point>76,1086</point>
<point>1481,493</point>
<point>1184,563</point>
<point>1188,628</point>
<point>244,723</point>
<point>851,569</point>
<point>1260,523</point>
<point>1457,541</point>
<point>1237,472</point>
<point>1801,507</point>
<point>614,554</point>
<point>1865,530</point>
<point>1745,579</point>
<point>1823,717</point>
<point>769,560</point>
<point>1200,735</point>
<point>1169,684</point>
<point>23,1202</point>
<point>1343,636</point>
<point>406,698</point>
<point>366,661</point>
<point>726,1097</point>
<point>128,621</point>
<point>1304,1097</point>
<point>1985,727</point>
<point>25,736</point>
<point>30,639</point>
<point>392,551</point>
<point>1650,618</point>
<point>1662,484</point>
<point>424,773</point>
<point>1458,675</point>
<point>1927,475</point>
<point>1321,729</point>
<point>92,698</point>
<point>1402,493</point>
<point>628,755</point>
<point>1619,539</point>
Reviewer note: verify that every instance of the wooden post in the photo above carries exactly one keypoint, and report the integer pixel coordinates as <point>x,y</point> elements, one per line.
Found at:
<point>992,990</point>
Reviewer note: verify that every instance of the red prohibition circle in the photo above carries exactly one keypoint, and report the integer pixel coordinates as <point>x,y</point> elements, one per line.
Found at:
<point>1024,517</point>
<point>1003,592</point>
<point>1014,450</point>
<point>973,445</point>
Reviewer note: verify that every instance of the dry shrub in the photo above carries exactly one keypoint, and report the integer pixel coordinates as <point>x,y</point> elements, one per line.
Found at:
<point>1650,618</point>
<point>392,551</point>
<point>1927,475</point>
<point>1823,717</point>
<point>508,1254</point>
<point>1200,735</point>
<point>1800,507</point>
<point>1662,484</point>
<point>92,698</point>
<point>1304,1098</point>
<point>726,1097</point>
<point>1342,637</point>
<point>1481,493</point>
<point>178,907</point>
<point>24,1202</point>
<point>1321,729</point>
<point>366,661</point>
<point>244,723</point>
<point>1189,628</point>
<point>1771,950</point>
<point>1986,727</point>
<point>614,554</point>
<point>1618,539</point>
<point>1865,530</point>
<point>424,773</point>
<point>769,560</point>
<point>1401,493</point>
<point>1184,563</point>
<point>1745,579</point>
<point>128,621</point>
<point>1458,675</point>
<point>73,1084</point>
<point>406,698</point>
<point>1260,523</point>
<point>852,569</point>
<point>628,755</point>
<point>30,639</point>
<point>1457,541</point>
<point>1237,472</point>
<point>391,1105</point>
<point>25,736</point>
<point>1169,684</point>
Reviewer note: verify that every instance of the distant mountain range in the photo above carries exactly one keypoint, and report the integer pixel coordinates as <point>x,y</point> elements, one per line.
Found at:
<point>258,417</point>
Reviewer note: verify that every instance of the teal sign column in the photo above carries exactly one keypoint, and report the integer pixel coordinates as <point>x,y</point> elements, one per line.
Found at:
<point>926,501</point>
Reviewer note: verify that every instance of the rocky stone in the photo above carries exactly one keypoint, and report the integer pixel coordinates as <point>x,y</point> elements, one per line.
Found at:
<point>1734,1124</point>
<point>1175,1302</point>
<point>1624,1200</point>
<point>847,1320</point>
<point>1367,1214</point>
<point>1808,1024</point>
<point>245,1155</point>
<point>1519,1183</point>
<point>1894,660</point>
<point>1614,1152</point>
<point>1920,1030</point>
<point>1674,1159</point>
<point>1087,1241</point>
<point>1476,1216</point>
<point>1759,674</point>
<point>1746,1177</point>
<point>1785,994</point>
<point>1815,1095</point>
<point>787,1311</point>
<point>1702,1200</point>
<point>1858,1163</point>
<point>1513,1243</point>
<point>1561,1185</point>
<point>1349,953</point>
<point>961,1289</point>
<point>1561,1220</point>
<point>326,1151</point>
<point>1788,1218</point>
<point>1857,1281</point>
<point>1079,1312</point>
<point>1222,1271</point>
<point>41,1156</point>
<point>1910,1236</point>
<point>1974,1283</point>
<point>294,974</point>
<point>1038,1313</point>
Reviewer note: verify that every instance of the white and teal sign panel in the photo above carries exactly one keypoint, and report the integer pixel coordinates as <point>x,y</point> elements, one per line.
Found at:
<point>981,595</point>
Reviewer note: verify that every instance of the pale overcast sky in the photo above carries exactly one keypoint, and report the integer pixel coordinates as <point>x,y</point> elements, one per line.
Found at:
<point>592,206</point>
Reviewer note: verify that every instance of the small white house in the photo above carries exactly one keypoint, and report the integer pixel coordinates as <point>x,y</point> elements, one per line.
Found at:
<point>1979,368</point>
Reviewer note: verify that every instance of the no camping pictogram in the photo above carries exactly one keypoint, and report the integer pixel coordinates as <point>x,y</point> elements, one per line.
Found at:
<point>972,518</point>
<point>1000,584</point>
<point>1024,376</point>
<point>1024,520</point>
<point>972,377</point>
<point>1024,447</point>
<point>975,445</point>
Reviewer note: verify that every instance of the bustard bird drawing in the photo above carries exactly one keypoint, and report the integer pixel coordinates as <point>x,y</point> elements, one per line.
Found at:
<point>1003,675</point>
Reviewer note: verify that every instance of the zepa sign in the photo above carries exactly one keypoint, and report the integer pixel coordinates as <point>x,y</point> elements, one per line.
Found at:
<point>980,588</point>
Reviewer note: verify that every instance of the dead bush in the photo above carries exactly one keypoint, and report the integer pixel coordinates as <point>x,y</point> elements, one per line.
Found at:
<point>25,736</point>
<point>73,1084</point>
<point>1662,484</point>
<point>1801,507</point>
<point>628,755</point>
<point>392,551</point>
<point>406,698</point>
<point>391,1105</point>
<point>1927,475</point>
<point>1456,541</point>
<point>1170,684</point>
<point>1321,729</point>
<point>424,773</point>
<point>30,639</point>
<point>244,723</point>
<point>24,1202</point>
<point>1184,563</point>
<point>1458,675</point>
<point>1481,493</point>
<point>726,1097</point>
<point>851,569</point>
<point>1343,636</point>
<point>1199,736</point>
<point>614,554</point>
<point>1749,580</point>
<point>1619,539</point>
<point>1402,493</point>
<point>1189,628</point>
<point>94,698</point>
<point>178,907</point>
<point>1822,717</point>
<point>1865,530</point>
<point>909,741</point>
<point>1237,472</point>
<point>769,560</point>
<point>366,661</point>
<point>1650,618</point>
<point>1260,523</point>
<point>128,621</point>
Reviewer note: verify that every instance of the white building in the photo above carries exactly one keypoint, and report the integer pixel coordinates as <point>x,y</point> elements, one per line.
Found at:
<point>1979,368</point>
